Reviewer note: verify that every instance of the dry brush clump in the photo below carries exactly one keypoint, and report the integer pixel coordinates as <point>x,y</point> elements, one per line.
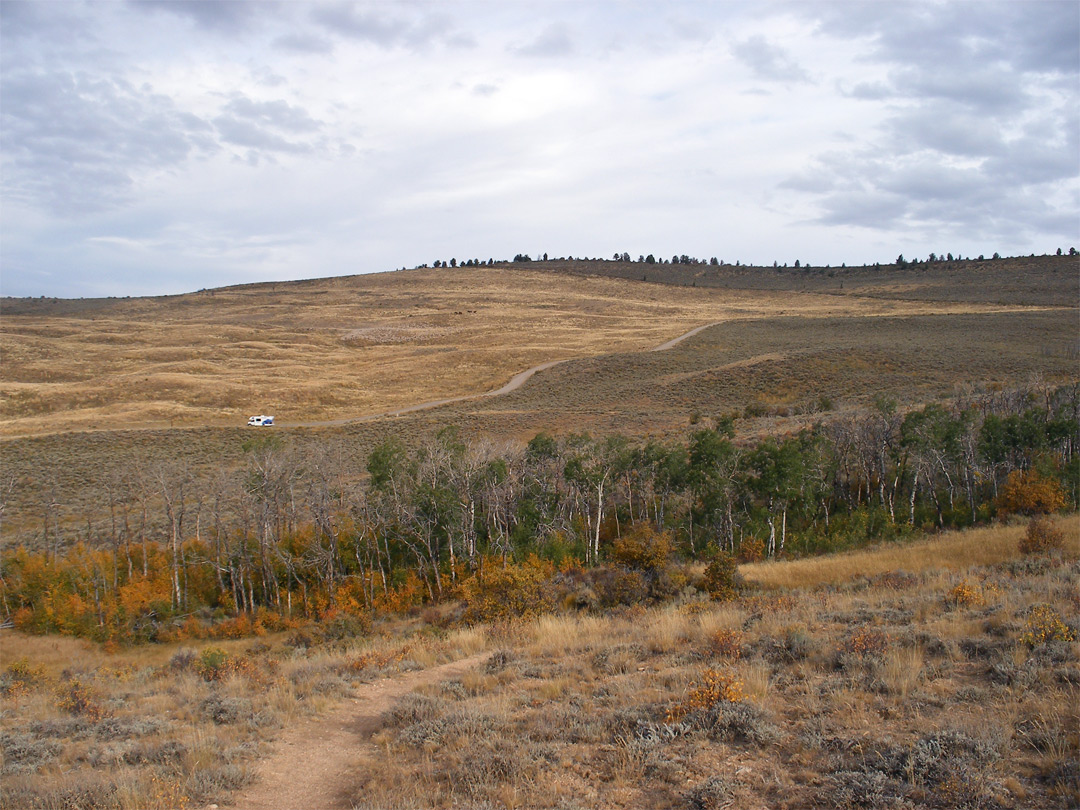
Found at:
<point>1042,537</point>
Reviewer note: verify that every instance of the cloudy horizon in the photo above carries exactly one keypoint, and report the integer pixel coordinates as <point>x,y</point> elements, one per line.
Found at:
<point>162,146</point>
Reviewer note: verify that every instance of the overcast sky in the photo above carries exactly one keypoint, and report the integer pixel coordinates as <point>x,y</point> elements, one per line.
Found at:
<point>152,147</point>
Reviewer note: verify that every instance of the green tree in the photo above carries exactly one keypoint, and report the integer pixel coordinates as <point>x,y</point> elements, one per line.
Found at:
<point>778,470</point>
<point>714,466</point>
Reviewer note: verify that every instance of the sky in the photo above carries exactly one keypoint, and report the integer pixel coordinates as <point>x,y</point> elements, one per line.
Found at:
<point>153,146</point>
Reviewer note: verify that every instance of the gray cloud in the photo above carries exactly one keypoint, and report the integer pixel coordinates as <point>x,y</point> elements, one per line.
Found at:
<point>867,209</point>
<point>240,132</point>
<point>768,61</point>
<point>220,16</point>
<point>922,193</point>
<point>304,43</point>
<point>944,129</point>
<point>410,26</point>
<point>868,91</point>
<point>21,19</point>
<point>77,142</point>
<point>981,122</point>
<point>689,29</point>
<point>1031,36</point>
<point>128,133</point>
<point>1042,154</point>
<point>553,41</point>
<point>988,89</point>
<point>347,20</point>
<point>265,127</point>
<point>277,114</point>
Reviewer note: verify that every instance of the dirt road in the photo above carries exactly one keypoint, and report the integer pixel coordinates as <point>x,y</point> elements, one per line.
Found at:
<point>314,763</point>
<point>515,383</point>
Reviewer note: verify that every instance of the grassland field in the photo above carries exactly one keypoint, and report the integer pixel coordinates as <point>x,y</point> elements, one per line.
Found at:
<point>89,388</point>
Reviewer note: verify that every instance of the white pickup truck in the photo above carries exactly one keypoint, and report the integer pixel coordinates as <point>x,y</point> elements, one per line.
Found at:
<point>260,421</point>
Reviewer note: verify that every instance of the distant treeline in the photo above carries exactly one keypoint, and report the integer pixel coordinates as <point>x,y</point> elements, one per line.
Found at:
<point>713,261</point>
<point>322,532</point>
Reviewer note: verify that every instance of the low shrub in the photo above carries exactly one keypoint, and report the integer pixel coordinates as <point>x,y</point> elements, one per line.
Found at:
<point>727,644</point>
<point>739,722</point>
<point>79,698</point>
<point>183,659</point>
<point>715,687</point>
<point>863,789</point>
<point>1041,537</point>
<point>20,677</point>
<point>1044,625</point>
<point>225,711</point>
<point>213,664</point>
<point>794,644</point>
<point>866,643</point>
<point>964,594</point>
<point>714,793</point>
<point>751,550</point>
<point>642,548</point>
<point>722,578</point>
<point>24,752</point>
<point>338,625</point>
<point>498,661</point>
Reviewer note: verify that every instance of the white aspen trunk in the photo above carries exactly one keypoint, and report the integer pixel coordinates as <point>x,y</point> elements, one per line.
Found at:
<point>599,519</point>
<point>914,491</point>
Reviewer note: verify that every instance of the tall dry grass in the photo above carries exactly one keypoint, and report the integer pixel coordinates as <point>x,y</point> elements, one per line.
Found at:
<point>954,551</point>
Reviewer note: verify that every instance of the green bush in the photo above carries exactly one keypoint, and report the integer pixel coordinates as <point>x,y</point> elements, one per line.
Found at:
<point>722,578</point>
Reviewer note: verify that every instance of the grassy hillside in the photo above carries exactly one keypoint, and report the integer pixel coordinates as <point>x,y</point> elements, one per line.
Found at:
<point>939,673</point>
<point>91,389</point>
<point>361,345</point>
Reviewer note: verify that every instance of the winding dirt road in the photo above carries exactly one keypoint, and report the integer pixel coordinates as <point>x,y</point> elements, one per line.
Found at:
<point>314,763</point>
<point>663,347</point>
<point>515,383</point>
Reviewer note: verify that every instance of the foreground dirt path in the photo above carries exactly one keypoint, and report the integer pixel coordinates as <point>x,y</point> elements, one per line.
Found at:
<point>313,763</point>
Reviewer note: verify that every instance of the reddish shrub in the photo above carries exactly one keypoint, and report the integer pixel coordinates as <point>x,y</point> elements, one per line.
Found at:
<point>1041,536</point>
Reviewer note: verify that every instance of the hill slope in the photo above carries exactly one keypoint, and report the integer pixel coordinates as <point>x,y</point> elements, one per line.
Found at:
<point>353,346</point>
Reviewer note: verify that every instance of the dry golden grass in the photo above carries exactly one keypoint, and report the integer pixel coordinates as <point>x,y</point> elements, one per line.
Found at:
<point>951,550</point>
<point>850,696</point>
<point>348,347</point>
<point>573,709</point>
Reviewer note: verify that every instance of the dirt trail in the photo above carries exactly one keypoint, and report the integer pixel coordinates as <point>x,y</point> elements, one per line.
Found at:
<point>663,347</point>
<point>515,383</point>
<point>314,763</point>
